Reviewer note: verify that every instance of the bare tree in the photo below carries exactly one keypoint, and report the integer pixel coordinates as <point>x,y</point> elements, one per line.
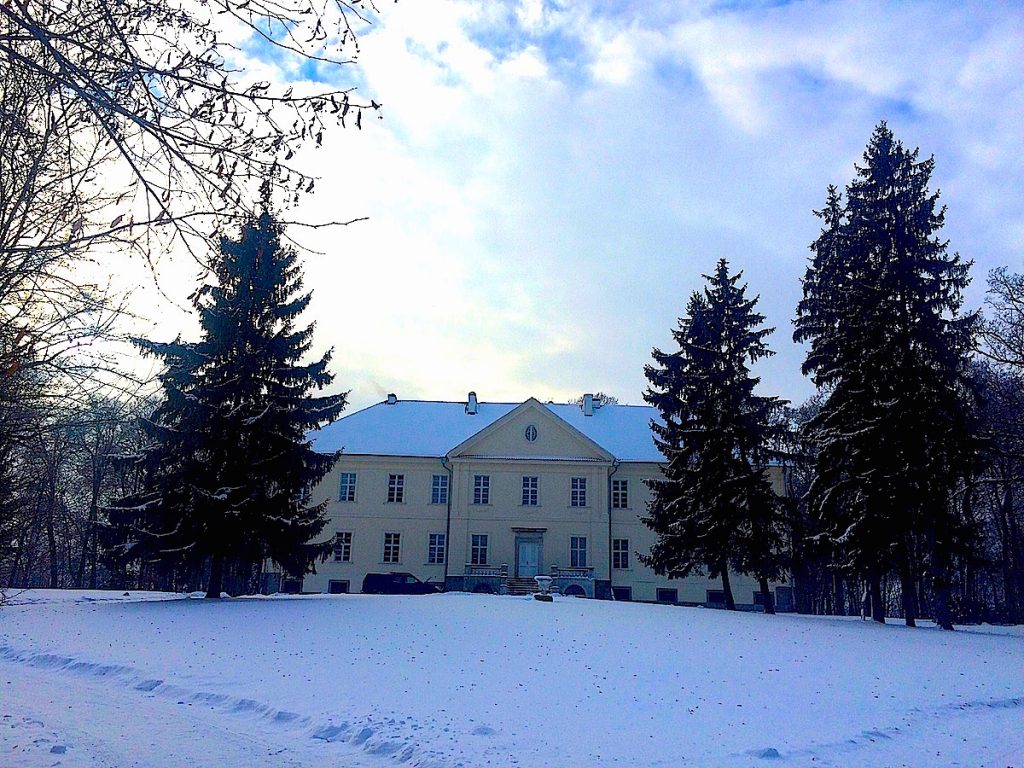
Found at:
<point>152,91</point>
<point>129,127</point>
<point>1003,329</point>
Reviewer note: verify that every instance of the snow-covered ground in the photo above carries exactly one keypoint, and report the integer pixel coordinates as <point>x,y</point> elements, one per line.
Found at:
<point>98,679</point>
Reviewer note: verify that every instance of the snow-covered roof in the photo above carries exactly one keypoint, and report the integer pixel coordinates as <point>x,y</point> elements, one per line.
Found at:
<point>433,428</point>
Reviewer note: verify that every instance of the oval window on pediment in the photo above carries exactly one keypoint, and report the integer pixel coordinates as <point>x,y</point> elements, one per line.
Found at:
<point>530,433</point>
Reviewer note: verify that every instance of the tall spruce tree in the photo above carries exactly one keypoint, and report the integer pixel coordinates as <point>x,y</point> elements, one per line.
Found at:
<point>890,347</point>
<point>228,467</point>
<point>714,508</point>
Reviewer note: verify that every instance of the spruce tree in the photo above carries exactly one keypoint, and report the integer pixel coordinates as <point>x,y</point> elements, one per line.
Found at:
<point>890,347</point>
<point>228,468</point>
<point>714,508</point>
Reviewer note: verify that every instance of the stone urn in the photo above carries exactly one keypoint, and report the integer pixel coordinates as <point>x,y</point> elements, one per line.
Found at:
<point>544,582</point>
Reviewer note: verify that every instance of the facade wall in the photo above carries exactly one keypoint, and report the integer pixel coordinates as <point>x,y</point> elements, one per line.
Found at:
<point>370,516</point>
<point>554,513</point>
<point>643,582</point>
<point>503,454</point>
<point>554,520</point>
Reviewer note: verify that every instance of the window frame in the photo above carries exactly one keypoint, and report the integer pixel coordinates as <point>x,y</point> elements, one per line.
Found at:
<point>479,544</point>
<point>660,594</point>
<point>345,545</point>
<point>437,548</point>
<point>620,493</point>
<point>620,554</point>
<point>481,490</point>
<point>531,495</point>
<point>439,489</point>
<point>578,492</point>
<point>393,547</point>
<point>578,552</point>
<point>716,592</point>
<point>342,484</point>
<point>396,488</point>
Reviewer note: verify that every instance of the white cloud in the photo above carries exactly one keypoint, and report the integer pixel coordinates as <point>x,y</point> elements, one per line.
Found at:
<point>549,181</point>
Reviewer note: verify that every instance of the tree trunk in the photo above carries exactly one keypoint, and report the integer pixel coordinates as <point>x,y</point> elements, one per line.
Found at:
<point>803,587</point>
<point>213,590</point>
<point>838,589</point>
<point>907,596</point>
<point>939,571</point>
<point>730,603</point>
<point>51,543</point>
<point>877,607</point>
<point>769,601</point>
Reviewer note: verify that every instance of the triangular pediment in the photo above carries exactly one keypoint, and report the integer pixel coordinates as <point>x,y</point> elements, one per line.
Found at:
<point>510,437</point>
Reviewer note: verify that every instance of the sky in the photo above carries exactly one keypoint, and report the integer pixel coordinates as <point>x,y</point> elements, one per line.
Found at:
<point>550,179</point>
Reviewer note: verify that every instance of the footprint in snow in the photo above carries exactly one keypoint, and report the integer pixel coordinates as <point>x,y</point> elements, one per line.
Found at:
<point>483,730</point>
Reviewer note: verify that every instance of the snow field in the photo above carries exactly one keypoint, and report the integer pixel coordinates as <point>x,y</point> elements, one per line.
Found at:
<point>473,680</point>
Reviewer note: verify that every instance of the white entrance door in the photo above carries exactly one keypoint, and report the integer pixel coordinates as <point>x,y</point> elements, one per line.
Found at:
<point>528,559</point>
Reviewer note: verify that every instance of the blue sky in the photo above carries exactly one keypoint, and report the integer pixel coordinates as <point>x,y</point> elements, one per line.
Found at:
<point>550,179</point>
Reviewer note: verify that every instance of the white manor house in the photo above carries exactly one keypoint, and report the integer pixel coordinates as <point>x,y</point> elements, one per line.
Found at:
<point>482,497</point>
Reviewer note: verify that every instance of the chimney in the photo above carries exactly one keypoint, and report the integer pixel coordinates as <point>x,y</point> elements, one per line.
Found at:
<point>471,405</point>
<point>392,398</point>
<point>588,405</point>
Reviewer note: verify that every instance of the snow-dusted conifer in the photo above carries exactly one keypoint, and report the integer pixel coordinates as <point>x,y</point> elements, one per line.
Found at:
<point>228,467</point>
<point>714,507</point>
<point>890,346</point>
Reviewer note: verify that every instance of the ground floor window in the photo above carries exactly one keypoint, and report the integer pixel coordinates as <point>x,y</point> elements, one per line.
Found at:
<point>337,587</point>
<point>392,547</point>
<point>624,594</point>
<point>478,549</point>
<point>668,595</point>
<point>291,586</point>
<point>716,596</point>
<point>435,548</point>
<point>578,551</point>
<point>343,547</point>
<point>620,553</point>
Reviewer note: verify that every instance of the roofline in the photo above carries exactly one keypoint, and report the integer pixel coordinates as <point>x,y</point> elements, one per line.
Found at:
<point>342,454</point>
<point>526,404</point>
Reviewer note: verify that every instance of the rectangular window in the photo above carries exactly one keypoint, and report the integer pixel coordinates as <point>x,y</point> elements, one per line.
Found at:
<point>620,553</point>
<point>716,597</point>
<point>578,494</point>
<point>478,549</point>
<point>530,485</point>
<point>578,551</point>
<point>439,489</point>
<point>481,489</point>
<point>435,548</point>
<point>668,595</point>
<point>392,547</point>
<point>343,547</point>
<point>337,587</point>
<point>620,494</point>
<point>625,594</point>
<point>396,489</point>
<point>347,487</point>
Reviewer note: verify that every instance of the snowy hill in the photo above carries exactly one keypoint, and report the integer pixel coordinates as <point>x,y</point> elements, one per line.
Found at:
<point>471,680</point>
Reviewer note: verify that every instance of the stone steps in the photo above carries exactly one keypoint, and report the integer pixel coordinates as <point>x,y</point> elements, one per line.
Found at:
<point>521,586</point>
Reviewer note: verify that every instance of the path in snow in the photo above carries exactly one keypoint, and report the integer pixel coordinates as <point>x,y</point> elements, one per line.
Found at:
<point>52,717</point>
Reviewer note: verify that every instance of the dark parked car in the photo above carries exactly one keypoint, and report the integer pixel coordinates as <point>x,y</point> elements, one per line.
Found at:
<point>397,584</point>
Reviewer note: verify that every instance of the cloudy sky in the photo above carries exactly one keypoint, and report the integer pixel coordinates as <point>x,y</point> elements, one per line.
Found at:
<point>550,179</point>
